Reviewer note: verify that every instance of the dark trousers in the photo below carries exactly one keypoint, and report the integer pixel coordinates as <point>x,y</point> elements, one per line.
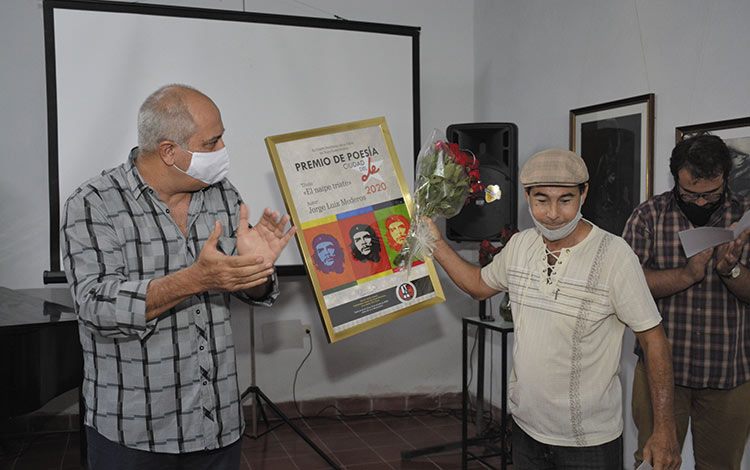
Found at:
<point>530,454</point>
<point>104,454</point>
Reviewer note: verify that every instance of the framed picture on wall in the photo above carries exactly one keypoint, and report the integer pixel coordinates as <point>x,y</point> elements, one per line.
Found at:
<point>616,140</point>
<point>736,134</point>
<point>346,194</point>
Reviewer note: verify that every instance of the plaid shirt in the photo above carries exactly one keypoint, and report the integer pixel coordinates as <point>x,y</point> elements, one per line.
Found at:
<point>708,326</point>
<point>169,384</point>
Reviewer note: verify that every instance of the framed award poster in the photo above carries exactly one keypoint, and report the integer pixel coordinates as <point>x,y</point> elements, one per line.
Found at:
<point>345,192</point>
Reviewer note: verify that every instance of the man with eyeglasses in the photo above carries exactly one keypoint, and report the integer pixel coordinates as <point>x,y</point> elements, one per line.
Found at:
<point>704,301</point>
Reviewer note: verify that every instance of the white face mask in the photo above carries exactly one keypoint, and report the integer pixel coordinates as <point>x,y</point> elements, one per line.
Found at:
<point>558,233</point>
<point>209,167</point>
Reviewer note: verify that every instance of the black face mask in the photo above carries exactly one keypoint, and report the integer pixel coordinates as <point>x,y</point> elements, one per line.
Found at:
<point>697,215</point>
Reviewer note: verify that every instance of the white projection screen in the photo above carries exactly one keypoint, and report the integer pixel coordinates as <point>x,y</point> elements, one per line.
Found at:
<point>269,74</point>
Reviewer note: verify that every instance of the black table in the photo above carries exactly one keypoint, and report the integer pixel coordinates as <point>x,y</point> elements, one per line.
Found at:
<point>40,350</point>
<point>504,328</point>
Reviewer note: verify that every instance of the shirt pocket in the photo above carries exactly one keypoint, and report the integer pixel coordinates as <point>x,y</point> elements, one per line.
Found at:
<point>148,251</point>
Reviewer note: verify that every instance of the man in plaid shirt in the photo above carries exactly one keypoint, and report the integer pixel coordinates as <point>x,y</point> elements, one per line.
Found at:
<point>703,301</point>
<point>152,249</point>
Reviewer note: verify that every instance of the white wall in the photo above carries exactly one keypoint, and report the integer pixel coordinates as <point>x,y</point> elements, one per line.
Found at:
<point>419,353</point>
<point>536,60</point>
<point>416,354</point>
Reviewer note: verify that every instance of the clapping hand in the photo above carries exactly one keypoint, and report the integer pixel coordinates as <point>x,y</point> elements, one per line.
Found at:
<point>267,238</point>
<point>213,270</point>
<point>257,250</point>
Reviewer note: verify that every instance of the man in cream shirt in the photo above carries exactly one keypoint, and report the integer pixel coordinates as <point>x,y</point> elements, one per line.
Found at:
<point>573,288</point>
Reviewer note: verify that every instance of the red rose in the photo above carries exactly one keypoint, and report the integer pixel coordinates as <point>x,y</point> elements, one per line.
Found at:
<point>506,233</point>
<point>454,149</point>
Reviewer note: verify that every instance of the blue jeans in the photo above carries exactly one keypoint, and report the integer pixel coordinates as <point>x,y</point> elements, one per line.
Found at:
<point>104,454</point>
<point>529,454</point>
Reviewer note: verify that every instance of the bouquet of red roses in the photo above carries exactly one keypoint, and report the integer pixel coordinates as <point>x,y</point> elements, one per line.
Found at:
<point>447,178</point>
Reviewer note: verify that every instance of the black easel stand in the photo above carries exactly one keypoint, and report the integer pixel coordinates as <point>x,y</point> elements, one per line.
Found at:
<point>258,395</point>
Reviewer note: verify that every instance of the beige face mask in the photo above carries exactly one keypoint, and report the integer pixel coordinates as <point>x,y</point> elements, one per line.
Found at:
<point>558,233</point>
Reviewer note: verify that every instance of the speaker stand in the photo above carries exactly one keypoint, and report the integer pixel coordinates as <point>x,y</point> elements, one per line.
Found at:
<point>260,398</point>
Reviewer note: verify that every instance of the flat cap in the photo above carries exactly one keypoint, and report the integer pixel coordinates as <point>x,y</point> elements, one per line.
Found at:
<point>554,167</point>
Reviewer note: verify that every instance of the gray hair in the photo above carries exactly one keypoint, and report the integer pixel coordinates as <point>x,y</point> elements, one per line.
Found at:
<point>164,115</point>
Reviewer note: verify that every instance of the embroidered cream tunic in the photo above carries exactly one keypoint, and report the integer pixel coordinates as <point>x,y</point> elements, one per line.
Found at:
<point>569,318</point>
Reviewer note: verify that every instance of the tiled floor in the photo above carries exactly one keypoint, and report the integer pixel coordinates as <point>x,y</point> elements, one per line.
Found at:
<point>373,442</point>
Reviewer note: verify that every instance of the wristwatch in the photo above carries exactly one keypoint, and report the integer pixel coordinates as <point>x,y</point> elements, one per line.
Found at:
<point>734,273</point>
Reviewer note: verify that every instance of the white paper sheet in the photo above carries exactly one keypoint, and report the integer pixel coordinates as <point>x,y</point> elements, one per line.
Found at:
<point>698,239</point>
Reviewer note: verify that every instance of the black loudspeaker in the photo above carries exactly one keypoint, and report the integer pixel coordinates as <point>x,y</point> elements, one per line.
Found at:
<point>496,147</point>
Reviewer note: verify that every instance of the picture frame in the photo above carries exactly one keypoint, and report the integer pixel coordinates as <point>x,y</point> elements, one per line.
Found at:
<point>736,134</point>
<point>616,140</point>
<point>345,192</point>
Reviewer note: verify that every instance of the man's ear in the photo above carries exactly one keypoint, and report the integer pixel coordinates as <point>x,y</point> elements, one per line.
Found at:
<point>167,152</point>
<point>584,193</point>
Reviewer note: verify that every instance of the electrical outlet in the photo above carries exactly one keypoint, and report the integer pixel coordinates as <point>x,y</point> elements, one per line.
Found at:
<point>284,334</point>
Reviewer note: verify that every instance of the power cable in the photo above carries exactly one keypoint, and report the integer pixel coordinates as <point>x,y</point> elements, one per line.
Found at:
<point>296,373</point>
<point>456,413</point>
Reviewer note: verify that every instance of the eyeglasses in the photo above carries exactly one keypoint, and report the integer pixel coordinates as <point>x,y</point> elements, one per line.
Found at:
<point>711,196</point>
